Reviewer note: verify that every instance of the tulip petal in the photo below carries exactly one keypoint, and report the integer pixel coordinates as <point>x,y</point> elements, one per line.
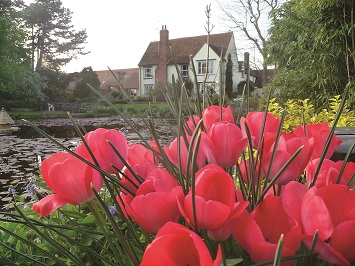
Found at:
<point>49,204</point>
<point>343,239</point>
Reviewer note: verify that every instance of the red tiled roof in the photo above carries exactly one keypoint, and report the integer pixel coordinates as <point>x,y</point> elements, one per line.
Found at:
<point>131,78</point>
<point>183,47</point>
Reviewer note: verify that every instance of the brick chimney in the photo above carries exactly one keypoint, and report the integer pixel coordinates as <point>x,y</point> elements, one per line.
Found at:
<point>161,72</point>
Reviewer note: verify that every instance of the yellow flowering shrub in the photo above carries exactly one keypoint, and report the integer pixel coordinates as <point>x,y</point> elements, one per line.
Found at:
<point>302,111</point>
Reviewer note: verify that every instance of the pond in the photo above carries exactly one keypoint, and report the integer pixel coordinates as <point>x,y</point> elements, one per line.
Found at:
<point>21,153</point>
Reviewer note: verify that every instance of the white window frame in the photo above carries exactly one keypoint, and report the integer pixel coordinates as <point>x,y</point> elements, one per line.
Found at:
<point>148,72</point>
<point>201,67</point>
<point>184,70</point>
<point>147,88</point>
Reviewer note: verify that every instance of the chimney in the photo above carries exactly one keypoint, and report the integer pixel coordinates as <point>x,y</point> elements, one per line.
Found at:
<point>161,73</point>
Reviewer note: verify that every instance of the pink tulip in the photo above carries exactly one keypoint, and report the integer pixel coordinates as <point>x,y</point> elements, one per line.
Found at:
<point>245,171</point>
<point>214,199</point>
<point>329,172</point>
<point>318,133</point>
<point>223,144</point>
<point>155,202</point>
<point>174,244</point>
<point>71,180</point>
<point>287,146</point>
<point>138,154</point>
<point>172,153</point>
<point>254,121</point>
<point>328,210</point>
<point>103,152</point>
<point>212,114</point>
<point>191,124</point>
<point>259,232</point>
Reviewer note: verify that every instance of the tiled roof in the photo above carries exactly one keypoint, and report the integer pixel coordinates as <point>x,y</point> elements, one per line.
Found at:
<point>183,47</point>
<point>5,119</point>
<point>131,77</point>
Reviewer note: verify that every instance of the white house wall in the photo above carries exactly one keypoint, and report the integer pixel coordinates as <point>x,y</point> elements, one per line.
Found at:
<point>145,81</point>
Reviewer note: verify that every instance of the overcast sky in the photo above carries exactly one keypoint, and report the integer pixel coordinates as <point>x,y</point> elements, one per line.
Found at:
<point>120,31</point>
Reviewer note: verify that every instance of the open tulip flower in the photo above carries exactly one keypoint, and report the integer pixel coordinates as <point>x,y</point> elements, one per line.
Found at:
<point>70,179</point>
<point>176,245</point>
<point>155,202</point>
<point>97,140</point>
<point>319,134</point>
<point>329,210</point>
<point>329,172</point>
<point>259,232</point>
<point>215,199</point>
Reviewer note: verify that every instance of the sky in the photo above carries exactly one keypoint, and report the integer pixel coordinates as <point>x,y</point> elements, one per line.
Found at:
<point>119,31</point>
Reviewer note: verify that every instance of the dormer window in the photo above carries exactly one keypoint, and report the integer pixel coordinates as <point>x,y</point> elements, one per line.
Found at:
<point>147,73</point>
<point>184,69</point>
<point>202,66</point>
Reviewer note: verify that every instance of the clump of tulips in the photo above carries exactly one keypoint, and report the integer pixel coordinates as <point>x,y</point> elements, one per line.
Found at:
<point>222,191</point>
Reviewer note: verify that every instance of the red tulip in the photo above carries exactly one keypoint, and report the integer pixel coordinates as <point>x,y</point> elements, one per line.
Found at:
<point>214,199</point>
<point>245,171</point>
<point>318,133</point>
<point>71,180</point>
<point>223,144</point>
<point>155,202</point>
<point>287,146</point>
<point>254,121</point>
<point>172,153</point>
<point>329,210</point>
<point>259,232</point>
<point>176,245</point>
<point>191,124</point>
<point>103,152</point>
<point>212,114</point>
<point>138,154</point>
<point>130,180</point>
<point>329,172</point>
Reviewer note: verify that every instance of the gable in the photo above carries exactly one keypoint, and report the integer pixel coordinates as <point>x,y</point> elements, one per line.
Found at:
<point>183,47</point>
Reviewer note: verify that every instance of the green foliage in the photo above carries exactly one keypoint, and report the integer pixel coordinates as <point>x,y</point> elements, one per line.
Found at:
<point>14,58</point>
<point>311,43</point>
<point>82,91</point>
<point>303,112</point>
<point>229,76</point>
<point>53,38</point>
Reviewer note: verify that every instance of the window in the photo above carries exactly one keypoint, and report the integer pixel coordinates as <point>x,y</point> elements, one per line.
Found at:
<point>201,67</point>
<point>184,69</point>
<point>147,73</point>
<point>147,88</point>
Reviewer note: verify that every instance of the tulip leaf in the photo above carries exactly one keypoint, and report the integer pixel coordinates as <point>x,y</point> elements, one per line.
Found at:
<point>74,214</point>
<point>90,219</point>
<point>232,262</point>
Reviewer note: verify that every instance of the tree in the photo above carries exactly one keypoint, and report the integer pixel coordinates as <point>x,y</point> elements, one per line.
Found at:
<point>229,77</point>
<point>249,18</point>
<point>313,46</point>
<point>54,42</point>
<point>82,90</point>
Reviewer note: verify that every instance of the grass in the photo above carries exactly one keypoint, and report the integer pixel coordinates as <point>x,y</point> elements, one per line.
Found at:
<point>158,110</point>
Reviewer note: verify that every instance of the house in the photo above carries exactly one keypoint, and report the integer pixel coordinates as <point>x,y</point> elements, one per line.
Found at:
<point>129,79</point>
<point>157,65</point>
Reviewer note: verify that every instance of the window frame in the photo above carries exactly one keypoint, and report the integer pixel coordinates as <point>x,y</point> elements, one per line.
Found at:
<point>202,64</point>
<point>147,72</point>
<point>184,72</point>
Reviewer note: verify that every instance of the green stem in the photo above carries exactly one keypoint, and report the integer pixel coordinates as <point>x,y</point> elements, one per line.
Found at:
<point>102,224</point>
